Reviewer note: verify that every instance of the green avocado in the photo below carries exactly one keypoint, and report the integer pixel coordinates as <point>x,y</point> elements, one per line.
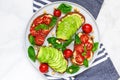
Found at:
<point>68,26</point>
<point>53,57</point>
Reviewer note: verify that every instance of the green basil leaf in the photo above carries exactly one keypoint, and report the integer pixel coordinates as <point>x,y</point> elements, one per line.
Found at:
<point>31,53</point>
<point>85,63</point>
<point>53,21</point>
<point>85,50</point>
<point>72,69</point>
<point>41,26</point>
<point>66,43</point>
<point>95,46</point>
<point>77,39</point>
<point>65,8</point>
<point>52,40</point>
<point>32,39</point>
<point>84,53</point>
<point>57,46</point>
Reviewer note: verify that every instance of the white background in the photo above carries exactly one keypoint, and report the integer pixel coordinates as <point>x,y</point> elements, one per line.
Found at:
<point>14,15</point>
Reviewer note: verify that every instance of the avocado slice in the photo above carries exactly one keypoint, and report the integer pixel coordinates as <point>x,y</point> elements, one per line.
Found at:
<point>69,24</point>
<point>53,57</point>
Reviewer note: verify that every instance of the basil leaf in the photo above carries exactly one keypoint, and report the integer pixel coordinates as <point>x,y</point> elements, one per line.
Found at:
<point>85,63</point>
<point>66,43</point>
<point>53,21</point>
<point>77,39</point>
<point>65,8</point>
<point>57,46</point>
<point>31,53</point>
<point>52,40</point>
<point>32,39</point>
<point>41,26</point>
<point>95,46</point>
<point>72,69</point>
<point>84,53</point>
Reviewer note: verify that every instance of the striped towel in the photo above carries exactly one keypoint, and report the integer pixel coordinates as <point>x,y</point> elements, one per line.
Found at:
<point>102,68</point>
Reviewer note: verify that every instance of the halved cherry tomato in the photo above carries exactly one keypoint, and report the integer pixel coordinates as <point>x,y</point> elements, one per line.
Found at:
<point>33,32</point>
<point>46,20</point>
<point>57,13</point>
<point>68,53</point>
<point>79,48</point>
<point>45,32</point>
<point>87,28</point>
<point>79,58</point>
<point>38,21</point>
<point>87,55</point>
<point>39,40</point>
<point>43,68</point>
<point>84,38</point>
<point>89,46</point>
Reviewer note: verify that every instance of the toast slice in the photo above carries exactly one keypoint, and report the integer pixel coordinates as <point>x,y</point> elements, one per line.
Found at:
<point>69,24</point>
<point>79,54</point>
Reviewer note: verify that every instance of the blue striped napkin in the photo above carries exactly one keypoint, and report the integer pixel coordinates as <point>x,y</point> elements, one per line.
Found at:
<point>102,68</point>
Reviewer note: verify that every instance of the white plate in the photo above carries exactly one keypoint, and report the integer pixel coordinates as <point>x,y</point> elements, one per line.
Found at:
<point>50,8</point>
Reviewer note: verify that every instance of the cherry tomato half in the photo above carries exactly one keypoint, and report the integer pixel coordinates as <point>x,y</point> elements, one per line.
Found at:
<point>38,21</point>
<point>57,13</point>
<point>79,48</point>
<point>88,55</point>
<point>46,20</point>
<point>68,53</point>
<point>43,68</point>
<point>39,40</point>
<point>87,28</point>
<point>89,46</point>
<point>84,38</point>
<point>79,58</point>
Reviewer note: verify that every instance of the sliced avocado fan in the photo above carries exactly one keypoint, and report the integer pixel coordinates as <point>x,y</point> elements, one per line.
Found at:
<point>69,24</point>
<point>53,57</point>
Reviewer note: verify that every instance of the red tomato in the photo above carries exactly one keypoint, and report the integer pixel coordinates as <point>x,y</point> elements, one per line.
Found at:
<point>84,38</point>
<point>57,13</point>
<point>79,48</point>
<point>79,59</point>
<point>46,20</point>
<point>37,21</point>
<point>89,46</point>
<point>45,32</point>
<point>43,68</point>
<point>67,53</point>
<point>87,28</point>
<point>39,40</point>
<point>33,32</point>
<point>88,54</point>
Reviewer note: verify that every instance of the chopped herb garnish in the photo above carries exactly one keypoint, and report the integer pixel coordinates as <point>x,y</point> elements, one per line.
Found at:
<point>84,53</point>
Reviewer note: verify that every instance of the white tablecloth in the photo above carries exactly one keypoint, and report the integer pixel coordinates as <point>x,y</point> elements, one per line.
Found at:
<point>14,15</point>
